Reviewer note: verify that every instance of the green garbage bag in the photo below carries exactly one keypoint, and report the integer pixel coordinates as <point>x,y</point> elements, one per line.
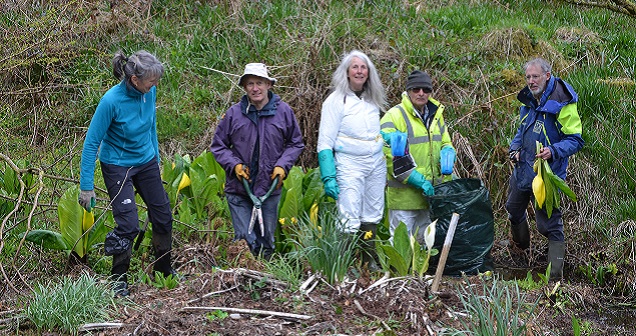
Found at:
<point>475,232</point>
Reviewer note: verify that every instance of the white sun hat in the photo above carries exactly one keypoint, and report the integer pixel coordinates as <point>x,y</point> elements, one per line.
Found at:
<point>256,69</point>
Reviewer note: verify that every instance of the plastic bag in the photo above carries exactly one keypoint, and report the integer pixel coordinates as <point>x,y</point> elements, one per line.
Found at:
<point>474,235</point>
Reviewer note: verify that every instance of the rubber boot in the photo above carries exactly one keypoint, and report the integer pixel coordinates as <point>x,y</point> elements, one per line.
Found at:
<point>367,244</point>
<point>556,253</point>
<point>119,277</point>
<point>520,234</point>
<point>162,243</point>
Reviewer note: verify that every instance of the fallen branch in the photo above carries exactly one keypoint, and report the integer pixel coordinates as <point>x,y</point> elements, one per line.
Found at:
<point>212,293</point>
<point>101,326</point>
<point>383,280</point>
<point>250,311</point>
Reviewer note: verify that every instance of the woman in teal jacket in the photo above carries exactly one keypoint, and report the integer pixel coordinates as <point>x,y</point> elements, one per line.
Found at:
<point>123,133</point>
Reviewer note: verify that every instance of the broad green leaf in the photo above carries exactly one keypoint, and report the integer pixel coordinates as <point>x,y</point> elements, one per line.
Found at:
<point>563,186</point>
<point>47,239</point>
<point>396,260</point>
<point>312,188</point>
<point>10,181</point>
<point>291,206</point>
<point>70,215</point>
<point>402,242</point>
<point>97,233</point>
<point>210,166</point>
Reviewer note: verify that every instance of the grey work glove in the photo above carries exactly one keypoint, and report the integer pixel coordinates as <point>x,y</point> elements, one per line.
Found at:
<point>87,199</point>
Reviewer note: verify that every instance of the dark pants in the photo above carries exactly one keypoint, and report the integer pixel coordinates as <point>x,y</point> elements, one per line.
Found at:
<point>146,179</point>
<point>241,212</point>
<point>551,228</point>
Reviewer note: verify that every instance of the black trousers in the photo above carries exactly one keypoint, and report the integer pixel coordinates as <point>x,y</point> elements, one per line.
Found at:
<point>121,183</point>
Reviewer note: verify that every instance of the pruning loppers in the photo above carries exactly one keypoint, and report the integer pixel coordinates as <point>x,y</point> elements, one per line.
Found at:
<point>257,213</point>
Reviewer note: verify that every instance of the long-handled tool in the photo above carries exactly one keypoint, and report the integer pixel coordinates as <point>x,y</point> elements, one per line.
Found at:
<point>142,233</point>
<point>257,213</point>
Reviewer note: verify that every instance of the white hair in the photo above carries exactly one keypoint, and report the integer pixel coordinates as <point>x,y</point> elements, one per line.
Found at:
<point>373,89</point>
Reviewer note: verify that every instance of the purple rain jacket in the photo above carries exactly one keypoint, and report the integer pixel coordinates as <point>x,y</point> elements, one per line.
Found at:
<point>260,140</point>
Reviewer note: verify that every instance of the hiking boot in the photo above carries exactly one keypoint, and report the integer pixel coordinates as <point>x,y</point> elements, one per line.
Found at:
<point>556,253</point>
<point>119,284</point>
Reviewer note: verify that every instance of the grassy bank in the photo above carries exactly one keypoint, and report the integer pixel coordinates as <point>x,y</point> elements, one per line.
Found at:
<point>56,65</point>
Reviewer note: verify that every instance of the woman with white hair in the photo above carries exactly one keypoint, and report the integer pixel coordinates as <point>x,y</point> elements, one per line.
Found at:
<point>352,165</point>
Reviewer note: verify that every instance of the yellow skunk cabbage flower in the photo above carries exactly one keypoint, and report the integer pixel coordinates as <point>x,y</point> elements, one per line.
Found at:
<point>185,181</point>
<point>87,220</point>
<point>313,213</point>
<point>538,189</point>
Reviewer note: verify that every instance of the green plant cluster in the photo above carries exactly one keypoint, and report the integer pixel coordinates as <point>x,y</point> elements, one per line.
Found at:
<point>68,304</point>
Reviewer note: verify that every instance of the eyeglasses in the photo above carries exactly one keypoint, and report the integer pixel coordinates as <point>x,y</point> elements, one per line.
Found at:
<point>417,90</point>
<point>535,77</point>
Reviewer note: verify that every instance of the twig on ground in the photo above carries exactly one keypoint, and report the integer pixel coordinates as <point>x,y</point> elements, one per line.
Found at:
<point>250,311</point>
<point>138,327</point>
<point>212,293</point>
<point>101,326</point>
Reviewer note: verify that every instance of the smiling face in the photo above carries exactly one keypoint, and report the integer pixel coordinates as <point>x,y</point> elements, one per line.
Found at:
<point>358,73</point>
<point>536,79</point>
<point>257,89</point>
<point>144,85</point>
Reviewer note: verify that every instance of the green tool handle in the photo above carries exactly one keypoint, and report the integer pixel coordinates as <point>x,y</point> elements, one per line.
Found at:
<point>255,199</point>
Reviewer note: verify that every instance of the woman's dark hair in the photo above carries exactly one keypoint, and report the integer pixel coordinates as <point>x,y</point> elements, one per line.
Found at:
<point>141,64</point>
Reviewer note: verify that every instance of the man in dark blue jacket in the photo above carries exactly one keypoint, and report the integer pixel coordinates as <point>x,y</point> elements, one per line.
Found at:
<point>258,139</point>
<point>548,115</point>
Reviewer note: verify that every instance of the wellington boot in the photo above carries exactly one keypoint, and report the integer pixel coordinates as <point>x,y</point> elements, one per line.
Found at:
<point>556,253</point>
<point>520,234</point>
<point>367,245</point>
<point>162,243</point>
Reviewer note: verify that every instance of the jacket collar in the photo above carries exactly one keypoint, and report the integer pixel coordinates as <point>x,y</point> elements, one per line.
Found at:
<point>130,89</point>
<point>268,109</point>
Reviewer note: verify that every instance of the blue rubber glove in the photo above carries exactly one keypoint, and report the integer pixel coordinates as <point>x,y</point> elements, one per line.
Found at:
<point>328,173</point>
<point>447,160</point>
<point>398,143</point>
<point>418,180</point>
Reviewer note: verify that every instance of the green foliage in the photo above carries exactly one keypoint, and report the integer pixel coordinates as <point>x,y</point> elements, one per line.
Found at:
<point>598,275</point>
<point>288,268</point>
<point>301,194</point>
<point>165,282</point>
<point>405,255</point>
<point>68,304</point>
<point>195,188</point>
<point>79,231</point>
<point>217,315</point>
<point>159,280</point>
<point>495,308</point>
<point>529,283</point>
<point>325,247</point>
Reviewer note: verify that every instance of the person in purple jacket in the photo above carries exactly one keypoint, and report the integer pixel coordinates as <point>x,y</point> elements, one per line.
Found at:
<point>258,139</point>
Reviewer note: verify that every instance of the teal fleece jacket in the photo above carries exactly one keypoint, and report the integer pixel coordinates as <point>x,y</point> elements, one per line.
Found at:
<point>123,129</point>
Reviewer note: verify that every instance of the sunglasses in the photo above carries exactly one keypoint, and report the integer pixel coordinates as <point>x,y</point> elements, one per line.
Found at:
<point>417,90</point>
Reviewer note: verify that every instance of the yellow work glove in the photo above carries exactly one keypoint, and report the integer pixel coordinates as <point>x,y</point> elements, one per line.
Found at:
<point>242,172</point>
<point>280,172</point>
